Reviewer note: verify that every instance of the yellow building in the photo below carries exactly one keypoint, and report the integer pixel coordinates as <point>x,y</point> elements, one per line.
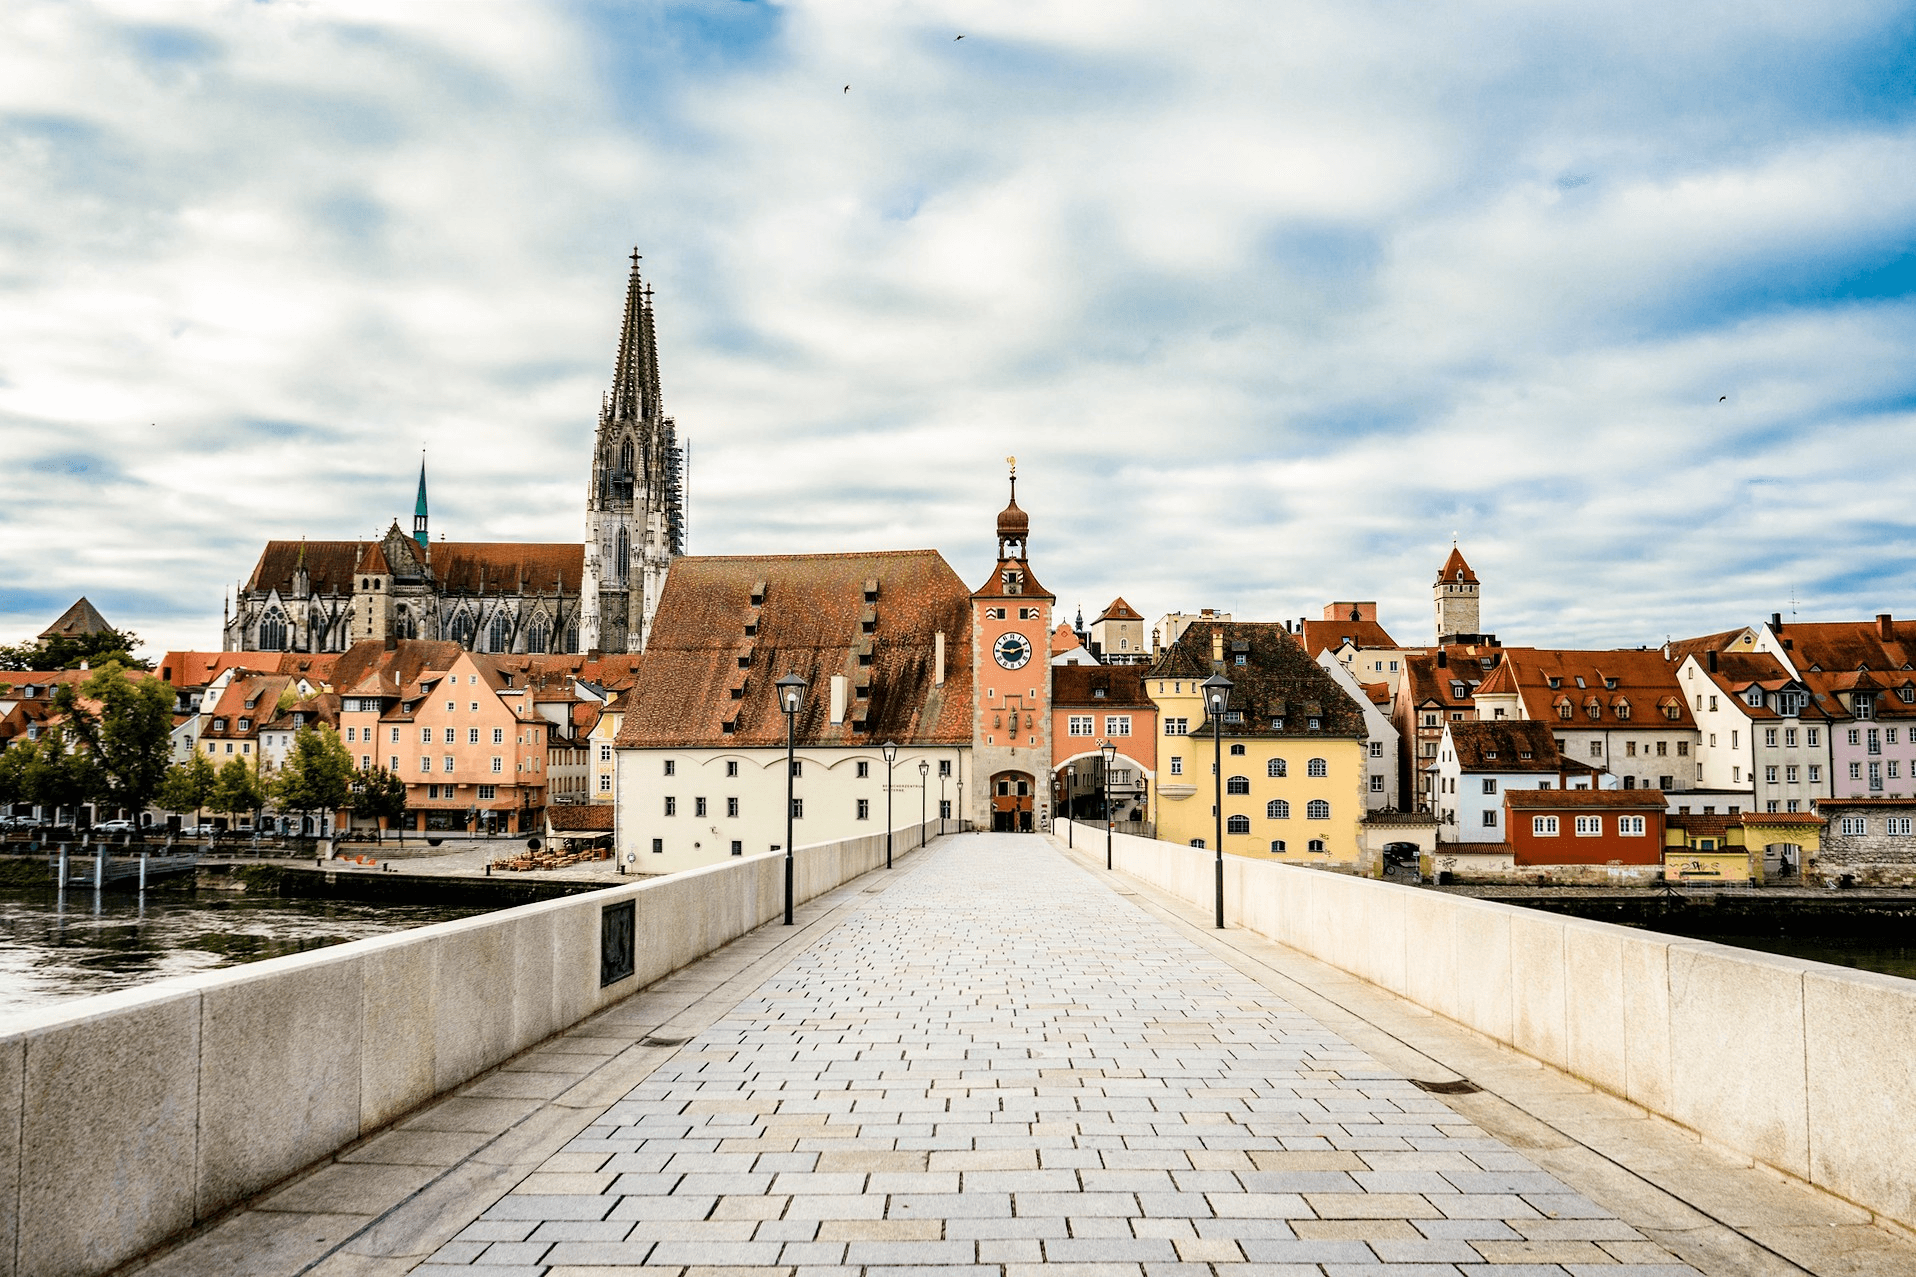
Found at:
<point>1293,747</point>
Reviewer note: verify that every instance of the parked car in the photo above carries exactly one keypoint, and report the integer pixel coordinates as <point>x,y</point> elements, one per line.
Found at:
<point>115,827</point>
<point>18,822</point>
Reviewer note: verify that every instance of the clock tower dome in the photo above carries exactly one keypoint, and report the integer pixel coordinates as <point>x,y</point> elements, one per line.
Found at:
<point>1011,713</point>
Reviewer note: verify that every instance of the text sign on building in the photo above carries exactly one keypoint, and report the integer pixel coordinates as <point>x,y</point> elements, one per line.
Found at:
<point>618,943</point>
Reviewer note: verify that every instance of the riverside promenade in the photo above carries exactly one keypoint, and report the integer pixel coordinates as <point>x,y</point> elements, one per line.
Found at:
<point>996,1057</point>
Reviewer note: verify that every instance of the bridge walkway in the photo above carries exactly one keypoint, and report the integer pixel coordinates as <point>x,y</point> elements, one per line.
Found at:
<point>995,1058</point>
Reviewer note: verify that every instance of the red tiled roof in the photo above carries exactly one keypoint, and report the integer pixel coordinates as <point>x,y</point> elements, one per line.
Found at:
<point>1455,569</point>
<point>1321,636</point>
<point>1557,799</point>
<point>810,622</point>
<point>1843,646</point>
<point>1119,610</point>
<point>1645,683</point>
<point>1075,685</point>
<point>1500,745</point>
<point>1277,683</point>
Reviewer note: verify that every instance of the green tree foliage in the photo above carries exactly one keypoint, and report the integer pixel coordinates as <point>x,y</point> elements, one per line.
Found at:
<point>61,653</point>
<point>129,734</point>
<point>236,788</point>
<point>189,785</point>
<point>379,794</point>
<point>50,772</point>
<point>318,773</point>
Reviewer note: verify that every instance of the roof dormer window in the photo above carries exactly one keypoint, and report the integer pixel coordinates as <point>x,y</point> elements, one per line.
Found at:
<point>1490,753</point>
<point>1609,685</point>
<point>219,724</point>
<point>1580,680</point>
<point>1755,698</point>
<point>1865,705</point>
<point>246,725</point>
<point>1555,682</point>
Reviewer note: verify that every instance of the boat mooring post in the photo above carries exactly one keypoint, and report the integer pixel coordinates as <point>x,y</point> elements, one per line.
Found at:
<point>143,873</point>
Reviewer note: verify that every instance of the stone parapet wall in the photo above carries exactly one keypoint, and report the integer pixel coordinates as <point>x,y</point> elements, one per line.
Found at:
<point>1799,1065</point>
<point>127,1118</point>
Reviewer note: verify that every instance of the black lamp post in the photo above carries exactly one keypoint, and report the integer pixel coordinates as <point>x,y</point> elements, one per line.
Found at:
<point>890,750</point>
<point>791,695</point>
<point>941,799</point>
<point>1217,696</point>
<point>924,787</point>
<point>1110,754</point>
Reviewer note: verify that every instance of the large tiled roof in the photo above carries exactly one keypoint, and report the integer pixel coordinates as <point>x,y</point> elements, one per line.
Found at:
<point>1455,569</point>
<point>471,566</point>
<point>1075,685</point>
<point>254,697</point>
<point>1119,610</point>
<point>371,668</point>
<point>197,669</point>
<point>1644,683</point>
<point>1278,681</point>
<point>1505,745</point>
<point>1719,642</point>
<point>1320,636</point>
<point>811,622</point>
<point>80,619</point>
<point>1452,684</point>
<point>580,818</point>
<point>1851,645</point>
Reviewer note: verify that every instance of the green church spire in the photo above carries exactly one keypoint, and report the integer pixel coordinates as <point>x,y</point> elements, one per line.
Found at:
<point>419,507</point>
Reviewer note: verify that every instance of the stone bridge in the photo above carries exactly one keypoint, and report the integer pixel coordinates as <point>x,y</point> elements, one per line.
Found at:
<point>998,1056</point>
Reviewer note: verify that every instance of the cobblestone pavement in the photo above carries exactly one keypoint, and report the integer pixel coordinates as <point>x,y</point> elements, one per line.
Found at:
<point>1000,1063</point>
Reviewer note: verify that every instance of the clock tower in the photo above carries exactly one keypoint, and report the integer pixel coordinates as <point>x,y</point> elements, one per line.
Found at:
<point>1011,712</point>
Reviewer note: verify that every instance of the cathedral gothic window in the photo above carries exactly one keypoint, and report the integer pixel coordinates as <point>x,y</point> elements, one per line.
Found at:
<point>499,635</point>
<point>539,637</point>
<point>272,631</point>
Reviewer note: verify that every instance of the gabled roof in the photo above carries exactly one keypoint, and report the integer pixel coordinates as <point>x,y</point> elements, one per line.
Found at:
<point>1610,679</point>
<point>1119,610</point>
<point>1719,642</point>
<point>1888,645</point>
<point>808,620</point>
<point>1561,799</point>
<point>1322,636</point>
<point>77,621</point>
<point>197,669</point>
<point>495,567</point>
<point>370,668</point>
<point>1455,569</point>
<point>1278,682</point>
<point>1506,745</point>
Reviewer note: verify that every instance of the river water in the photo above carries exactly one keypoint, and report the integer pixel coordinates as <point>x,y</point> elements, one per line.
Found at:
<point>52,951</point>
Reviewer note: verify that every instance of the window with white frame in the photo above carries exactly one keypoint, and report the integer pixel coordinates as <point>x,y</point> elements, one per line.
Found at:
<point>1317,809</point>
<point>1589,826</point>
<point>1543,826</point>
<point>1899,826</point>
<point>1490,818</point>
<point>1177,727</point>
<point>499,765</point>
<point>605,784</point>
<point>1854,826</point>
<point>1078,725</point>
<point>1317,767</point>
<point>1376,784</point>
<point>425,763</point>
<point>1117,724</point>
<point>1490,785</point>
<point>1276,768</point>
<point>1277,809</point>
<point>1377,749</point>
<point>1630,826</point>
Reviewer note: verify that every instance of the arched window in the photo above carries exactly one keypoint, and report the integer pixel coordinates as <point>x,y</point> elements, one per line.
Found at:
<point>625,455</point>
<point>1276,768</point>
<point>272,631</point>
<point>1317,767</point>
<point>1238,785</point>
<point>499,634</point>
<point>1237,751</point>
<point>621,553</point>
<point>1277,846</point>
<point>1238,825</point>
<point>462,628</point>
<point>539,637</point>
<point>1277,809</point>
<point>1317,844</point>
<point>405,626</point>
<point>572,637</point>
<point>1318,809</point>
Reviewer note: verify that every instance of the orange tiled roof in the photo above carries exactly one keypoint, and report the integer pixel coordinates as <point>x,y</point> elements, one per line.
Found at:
<point>1558,799</point>
<point>1075,685</point>
<point>1119,610</point>
<point>1455,569</point>
<point>1321,636</point>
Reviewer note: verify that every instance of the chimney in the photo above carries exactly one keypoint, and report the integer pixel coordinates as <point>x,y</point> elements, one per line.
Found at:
<point>1443,659</point>
<point>838,699</point>
<point>938,660</point>
<point>1776,620</point>
<point>1217,647</point>
<point>1712,660</point>
<point>1885,627</point>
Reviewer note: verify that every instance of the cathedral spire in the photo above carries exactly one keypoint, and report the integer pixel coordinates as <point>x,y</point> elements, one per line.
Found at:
<point>635,379</point>
<point>419,506</point>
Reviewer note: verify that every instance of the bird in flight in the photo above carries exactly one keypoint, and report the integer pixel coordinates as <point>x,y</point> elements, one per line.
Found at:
<point>1722,398</point>
<point>848,88</point>
<point>956,38</point>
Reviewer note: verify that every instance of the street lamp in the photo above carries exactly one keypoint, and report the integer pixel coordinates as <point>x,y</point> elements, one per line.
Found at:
<point>791,695</point>
<point>924,786</point>
<point>890,750</point>
<point>1109,752</point>
<point>942,773</point>
<point>1217,696</point>
<point>1070,805</point>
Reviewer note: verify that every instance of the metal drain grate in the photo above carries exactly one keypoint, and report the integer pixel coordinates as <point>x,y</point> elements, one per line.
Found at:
<point>1462,1086</point>
<point>659,1041</point>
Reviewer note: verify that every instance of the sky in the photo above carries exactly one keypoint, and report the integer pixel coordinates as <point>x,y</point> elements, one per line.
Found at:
<point>1270,300</point>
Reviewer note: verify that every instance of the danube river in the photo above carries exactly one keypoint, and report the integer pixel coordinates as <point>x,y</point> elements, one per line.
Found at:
<point>52,951</point>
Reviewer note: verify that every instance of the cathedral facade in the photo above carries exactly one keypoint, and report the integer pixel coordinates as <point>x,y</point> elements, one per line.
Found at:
<point>598,594</point>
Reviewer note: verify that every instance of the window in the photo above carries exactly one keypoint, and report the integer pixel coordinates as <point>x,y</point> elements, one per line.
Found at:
<point>658,846</point>
<point>1895,772</point>
<point>798,767</point>
<point>499,738</point>
<point>1117,724</point>
<point>1237,785</point>
<point>1791,805</point>
<point>393,762</point>
<point>1899,826</point>
<point>1769,775</point>
<point>1376,784</point>
<point>698,806</point>
<point>472,736</point>
<point>1275,767</point>
<point>499,765</point>
<point>798,809</point>
<point>1317,809</point>
<point>731,767</point>
<point>1812,736</point>
<point>1237,751</point>
<point>488,792</point>
<point>1177,767</point>
<point>365,762</point>
<point>1875,738</point>
<point>671,767</point>
<point>1078,725</point>
<point>1543,826</point>
<point>1277,809</point>
<point>1490,785</point>
<point>1589,826</point>
<point>1889,734</point>
<point>1277,846</point>
<point>605,782</point>
<point>731,807</point>
<point>944,767</point>
<point>1317,767</point>
<point>1490,818</point>
<point>864,769</point>
<point>448,762</point>
<point>1789,773</point>
<point>425,762</point>
<point>1856,736</point>
<point>1816,772</point>
<point>1854,826</point>
<point>1237,825</point>
<point>1856,771</point>
<point>1769,738</point>
<point>1377,749</point>
<point>1683,749</point>
<point>425,735</point>
<point>1317,845</point>
<point>864,809</point>
<point>1865,706</point>
<point>671,805</point>
<point>1630,826</point>
<point>1177,727</point>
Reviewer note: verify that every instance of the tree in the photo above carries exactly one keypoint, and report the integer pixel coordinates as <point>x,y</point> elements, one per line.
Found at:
<point>63,652</point>
<point>51,772</point>
<point>236,788</point>
<point>318,773</point>
<point>129,734</point>
<point>189,785</point>
<point>379,794</point>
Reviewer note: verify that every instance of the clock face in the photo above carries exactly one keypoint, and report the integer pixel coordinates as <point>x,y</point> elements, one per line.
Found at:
<point>1012,650</point>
